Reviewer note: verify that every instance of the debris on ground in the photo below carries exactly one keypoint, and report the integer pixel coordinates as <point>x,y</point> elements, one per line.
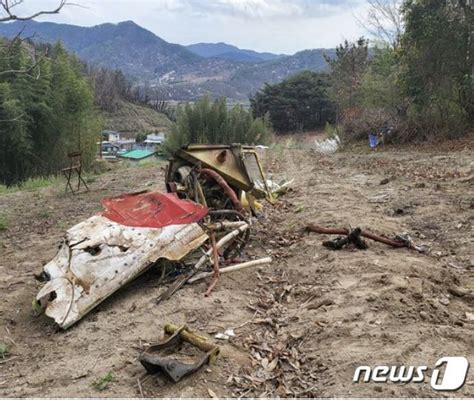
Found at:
<point>281,364</point>
<point>278,188</point>
<point>377,305</point>
<point>354,237</point>
<point>103,253</point>
<point>217,175</point>
<point>236,267</point>
<point>165,356</point>
<point>327,146</point>
<point>200,222</point>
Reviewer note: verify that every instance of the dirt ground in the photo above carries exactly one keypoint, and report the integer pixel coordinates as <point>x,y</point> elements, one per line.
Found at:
<point>304,323</point>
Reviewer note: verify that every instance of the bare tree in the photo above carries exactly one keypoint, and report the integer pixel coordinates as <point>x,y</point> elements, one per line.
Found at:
<point>384,21</point>
<point>8,10</point>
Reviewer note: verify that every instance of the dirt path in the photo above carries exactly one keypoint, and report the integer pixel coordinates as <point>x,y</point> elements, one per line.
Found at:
<point>308,320</point>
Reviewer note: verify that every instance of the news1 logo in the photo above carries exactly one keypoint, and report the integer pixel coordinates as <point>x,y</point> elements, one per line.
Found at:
<point>454,376</point>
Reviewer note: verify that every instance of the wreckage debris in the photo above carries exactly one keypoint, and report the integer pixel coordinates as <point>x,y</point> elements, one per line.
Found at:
<point>202,217</point>
<point>105,252</point>
<point>99,255</point>
<point>232,268</point>
<point>180,282</point>
<point>156,357</point>
<point>353,238</point>
<point>355,235</point>
<point>217,176</point>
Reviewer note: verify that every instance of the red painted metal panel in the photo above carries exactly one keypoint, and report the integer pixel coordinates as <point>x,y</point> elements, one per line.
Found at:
<point>152,210</point>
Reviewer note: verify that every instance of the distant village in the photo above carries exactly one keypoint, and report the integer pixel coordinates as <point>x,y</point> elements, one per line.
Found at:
<point>115,147</point>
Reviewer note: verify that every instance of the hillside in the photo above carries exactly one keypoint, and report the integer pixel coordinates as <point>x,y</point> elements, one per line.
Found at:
<point>229,52</point>
<point>173,70</point>
<point>132,119</point>
<point>126,46</point>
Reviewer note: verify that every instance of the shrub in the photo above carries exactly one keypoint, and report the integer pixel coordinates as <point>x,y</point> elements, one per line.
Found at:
<point>213,122</point>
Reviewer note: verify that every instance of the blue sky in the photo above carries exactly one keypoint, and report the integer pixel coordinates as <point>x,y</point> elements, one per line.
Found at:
<point>280,26</point>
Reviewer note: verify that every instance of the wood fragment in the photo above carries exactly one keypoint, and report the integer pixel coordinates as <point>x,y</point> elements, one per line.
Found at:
<point>8,359</point>
<point>236,267</point>
<point>140,388</point>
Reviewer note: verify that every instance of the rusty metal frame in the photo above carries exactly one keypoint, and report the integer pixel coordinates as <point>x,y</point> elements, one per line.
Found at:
<point>245,183</point>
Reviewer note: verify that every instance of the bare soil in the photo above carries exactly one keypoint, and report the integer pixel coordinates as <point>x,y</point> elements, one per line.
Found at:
<point>304,323</point>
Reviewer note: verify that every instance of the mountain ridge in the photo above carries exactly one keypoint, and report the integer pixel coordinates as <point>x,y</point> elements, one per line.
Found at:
<point>173,70</point>
<point>231,52</point>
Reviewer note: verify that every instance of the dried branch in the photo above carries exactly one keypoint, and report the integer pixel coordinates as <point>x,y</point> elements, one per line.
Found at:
<point>384,21</point>
<point>19,117</point>
<point>37,58</point>
<point>21,71</point>
<point>9,5</point>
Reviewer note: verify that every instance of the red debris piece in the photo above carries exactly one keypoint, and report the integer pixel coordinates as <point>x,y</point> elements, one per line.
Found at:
<point>152,210</point>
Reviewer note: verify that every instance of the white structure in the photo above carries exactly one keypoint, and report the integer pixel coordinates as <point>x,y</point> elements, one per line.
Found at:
<point>112,136</point>
<point>154,139</point>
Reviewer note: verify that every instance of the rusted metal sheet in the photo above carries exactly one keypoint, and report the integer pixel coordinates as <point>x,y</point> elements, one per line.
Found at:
<point>165,357</point>
<point>152,210</point>
<point>99,256</point>
<point>238,165</point>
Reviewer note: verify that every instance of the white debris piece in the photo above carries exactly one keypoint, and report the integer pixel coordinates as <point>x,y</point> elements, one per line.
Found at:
<point>229,332</point>
<point>327,146</point>
<point>221,336</point>
<point>100,256</point>
<point>276,188</point>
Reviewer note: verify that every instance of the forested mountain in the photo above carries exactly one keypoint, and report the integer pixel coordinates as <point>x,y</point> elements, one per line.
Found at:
<point>229,52</point>
<point>173,71</point>
<point>126,46</point>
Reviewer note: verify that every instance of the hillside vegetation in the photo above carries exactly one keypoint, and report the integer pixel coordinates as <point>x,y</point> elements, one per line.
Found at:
<point>132,119</point>
<point>46,111</point>
<point>416,85</point>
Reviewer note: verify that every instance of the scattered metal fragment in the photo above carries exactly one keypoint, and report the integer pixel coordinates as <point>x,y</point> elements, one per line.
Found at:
<point>352,238</point>
<point>154,359</point>
<point>232,268</point>
<point>217,175</point>
<point>327,146</point>
<point>399,241</point>
<point>100,256</point>
<point>278,188</point>
<point>215,259</point>
<point>180,282</point>
<point>228,333</point>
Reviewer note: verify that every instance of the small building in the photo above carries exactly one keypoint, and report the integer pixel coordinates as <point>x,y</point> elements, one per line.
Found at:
<point>154,140</point>
<point>112,136</point>
<point>110,148</point>
<point>116,139</point>
<point>137,155</point>
<point>125,144</point>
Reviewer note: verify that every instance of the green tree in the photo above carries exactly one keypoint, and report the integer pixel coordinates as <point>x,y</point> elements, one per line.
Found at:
<point>347,70</point>
<point>47,110</point>
<point>379,85</point>
<point>437,63</point>
<point>299,103</point>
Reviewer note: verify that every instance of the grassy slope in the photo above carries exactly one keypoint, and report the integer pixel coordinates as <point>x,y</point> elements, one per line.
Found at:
<point>132,119</point>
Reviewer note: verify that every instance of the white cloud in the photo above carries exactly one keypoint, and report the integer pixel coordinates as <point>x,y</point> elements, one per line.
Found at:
<point>259,9</point>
